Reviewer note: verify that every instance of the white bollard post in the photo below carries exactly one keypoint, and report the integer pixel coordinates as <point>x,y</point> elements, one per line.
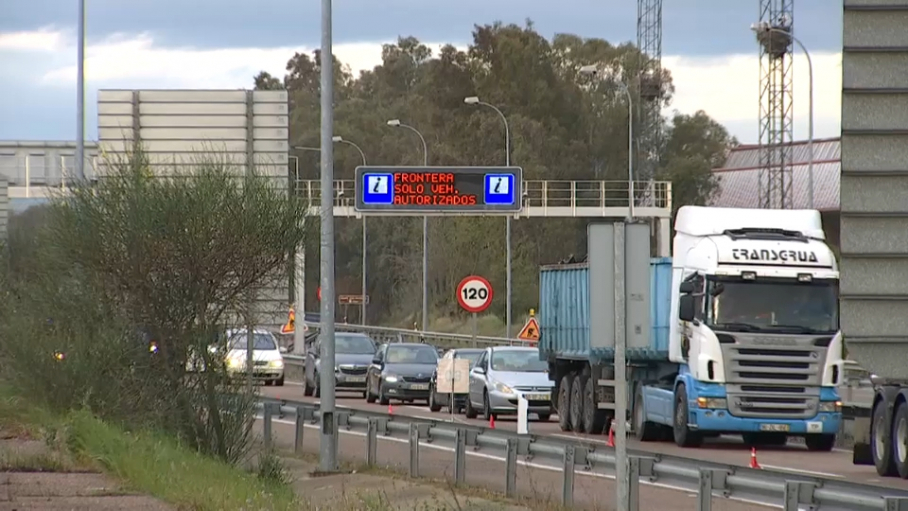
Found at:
<point>522,412</point>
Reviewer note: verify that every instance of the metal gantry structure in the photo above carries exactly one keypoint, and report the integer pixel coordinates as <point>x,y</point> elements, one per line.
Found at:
<point>776,126</point>
<point>651,91</point>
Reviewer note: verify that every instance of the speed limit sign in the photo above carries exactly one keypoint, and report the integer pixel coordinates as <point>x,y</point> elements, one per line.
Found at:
<point>474,294</point>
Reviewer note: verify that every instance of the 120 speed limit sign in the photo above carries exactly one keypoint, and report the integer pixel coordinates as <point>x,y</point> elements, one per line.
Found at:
<point>474,294</point>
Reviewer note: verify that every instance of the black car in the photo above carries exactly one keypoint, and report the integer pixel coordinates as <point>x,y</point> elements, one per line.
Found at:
<point>401,371</point>
<point>436,400</point>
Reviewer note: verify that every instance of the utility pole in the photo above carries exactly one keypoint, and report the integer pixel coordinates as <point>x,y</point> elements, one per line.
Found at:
<point>328,443</point>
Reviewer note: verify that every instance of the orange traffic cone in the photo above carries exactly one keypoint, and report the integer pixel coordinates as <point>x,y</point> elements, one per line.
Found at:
<point>491,422</point>
<point>753,459</point>
<point>611,436</point>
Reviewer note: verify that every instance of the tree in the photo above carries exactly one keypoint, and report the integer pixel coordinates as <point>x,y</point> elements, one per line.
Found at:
<point>563,127</point>
<point>139,257</point>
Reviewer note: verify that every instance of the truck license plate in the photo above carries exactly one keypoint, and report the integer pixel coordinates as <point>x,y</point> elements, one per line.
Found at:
<point>419,386</point>
<point>779,428</point>
<point>538,397</point>
<point>356,379</point>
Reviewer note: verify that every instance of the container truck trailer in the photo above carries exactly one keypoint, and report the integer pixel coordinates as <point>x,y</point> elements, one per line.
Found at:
<point>743,335</point>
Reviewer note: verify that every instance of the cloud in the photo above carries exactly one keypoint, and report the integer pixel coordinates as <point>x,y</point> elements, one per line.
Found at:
<point>726,87</point>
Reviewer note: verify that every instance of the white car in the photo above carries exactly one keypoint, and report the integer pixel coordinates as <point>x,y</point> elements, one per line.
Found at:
<point>268,360</point>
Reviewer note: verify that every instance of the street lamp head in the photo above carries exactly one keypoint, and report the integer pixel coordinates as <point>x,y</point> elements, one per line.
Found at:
<point>472,100</point>
<point>589,70</point>
<point>337,138</point>
<point>394,122</point>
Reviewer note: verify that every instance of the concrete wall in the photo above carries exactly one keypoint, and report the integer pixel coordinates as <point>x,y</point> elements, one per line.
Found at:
<point>874,185</point>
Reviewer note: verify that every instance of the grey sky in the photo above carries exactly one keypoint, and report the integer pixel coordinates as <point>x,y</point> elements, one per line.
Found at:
<point>692,28</point>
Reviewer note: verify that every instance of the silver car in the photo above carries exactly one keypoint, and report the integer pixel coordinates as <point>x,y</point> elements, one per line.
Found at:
<point>501,375</point>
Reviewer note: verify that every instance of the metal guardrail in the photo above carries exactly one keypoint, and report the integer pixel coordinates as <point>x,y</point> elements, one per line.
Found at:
<point>440,339</point>
<point>706,479</point>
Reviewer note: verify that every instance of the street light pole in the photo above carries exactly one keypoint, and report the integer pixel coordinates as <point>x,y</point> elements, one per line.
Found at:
<point>758,27</point>
<point>362,315</point>
<point>620,424</point>
<point>328,440</point>
<point>80,96</point>
<point>473,100</point>
<point>425,230</point>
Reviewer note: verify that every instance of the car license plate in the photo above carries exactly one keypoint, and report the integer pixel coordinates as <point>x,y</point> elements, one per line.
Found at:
<point>419,386</point>
<point>781,428</point>
<point>538,397</point>
<point>356,379</point>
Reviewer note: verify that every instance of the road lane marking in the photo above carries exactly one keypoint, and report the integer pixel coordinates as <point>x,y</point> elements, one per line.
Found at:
<point>524,463</point>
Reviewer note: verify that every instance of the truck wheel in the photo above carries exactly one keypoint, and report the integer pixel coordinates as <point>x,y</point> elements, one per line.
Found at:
<point>564,402</point>
<point>577,403</point>
<point>880,442</point>
<point>644,430</point>
<point>899,440</point>
<point>684,437</point>
<point>594,419</point>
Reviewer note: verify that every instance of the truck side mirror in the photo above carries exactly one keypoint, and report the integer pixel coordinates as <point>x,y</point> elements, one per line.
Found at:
<point>687,288</point>
<point>686,309</point>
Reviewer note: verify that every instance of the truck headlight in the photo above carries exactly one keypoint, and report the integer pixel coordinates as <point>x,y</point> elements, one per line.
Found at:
<point>830,406</point>
<point>390,378</point>
<point>716,403</point>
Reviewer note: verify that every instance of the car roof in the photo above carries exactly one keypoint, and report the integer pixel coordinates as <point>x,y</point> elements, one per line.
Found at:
<point>514,348</point>
<point>233,331</point>
<point>468,350</point>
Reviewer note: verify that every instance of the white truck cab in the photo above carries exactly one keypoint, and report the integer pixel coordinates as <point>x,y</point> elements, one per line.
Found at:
<point>756,292</point>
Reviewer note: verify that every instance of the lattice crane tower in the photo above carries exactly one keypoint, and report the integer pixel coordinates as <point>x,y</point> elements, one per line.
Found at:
<point>649,106</point>
<point>776,134</point>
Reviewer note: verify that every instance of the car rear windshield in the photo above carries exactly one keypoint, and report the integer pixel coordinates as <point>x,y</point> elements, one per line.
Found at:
<point>261,342</point>
<point>353,345</point>
<point>411,355</point>
<point>472,356</point>
<point>522,361</point>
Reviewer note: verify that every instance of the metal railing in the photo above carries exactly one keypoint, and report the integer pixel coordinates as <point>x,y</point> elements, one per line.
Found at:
<point>539,195</point>
<point>382,334</point>
<point>706,479</point>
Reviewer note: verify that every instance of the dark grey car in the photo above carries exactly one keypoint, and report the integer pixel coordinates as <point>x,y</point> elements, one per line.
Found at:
<point>401,371</point>
<point>353,353</point>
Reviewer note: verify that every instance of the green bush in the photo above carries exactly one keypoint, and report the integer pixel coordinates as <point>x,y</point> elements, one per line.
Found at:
<point>107,266</point>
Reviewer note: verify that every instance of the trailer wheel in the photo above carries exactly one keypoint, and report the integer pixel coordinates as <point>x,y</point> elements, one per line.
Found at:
<point>564,401</point>
<point>684,437</point>
<point>880,442</point>
<point>644,430</point>
<point>594,419</point>
<point>577,403</point>
<point>899,440</point>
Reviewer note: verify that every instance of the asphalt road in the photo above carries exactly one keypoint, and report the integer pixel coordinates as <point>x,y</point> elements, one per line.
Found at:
<point>792,458</point>
<point>540,483</point>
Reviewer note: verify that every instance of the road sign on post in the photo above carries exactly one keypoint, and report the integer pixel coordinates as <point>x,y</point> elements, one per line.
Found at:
<point>474,294</point>
<point>439,190</point>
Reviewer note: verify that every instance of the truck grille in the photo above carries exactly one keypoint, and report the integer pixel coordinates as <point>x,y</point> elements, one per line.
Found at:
<point>773,376</point>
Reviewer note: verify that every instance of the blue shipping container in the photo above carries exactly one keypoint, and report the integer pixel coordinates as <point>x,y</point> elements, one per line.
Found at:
<point>564,313</point>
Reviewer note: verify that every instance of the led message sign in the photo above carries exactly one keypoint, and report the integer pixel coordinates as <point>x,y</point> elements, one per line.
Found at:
<point>438,190</point>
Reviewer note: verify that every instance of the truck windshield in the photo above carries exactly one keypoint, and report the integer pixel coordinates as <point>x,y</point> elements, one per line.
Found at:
<point>772,305</point>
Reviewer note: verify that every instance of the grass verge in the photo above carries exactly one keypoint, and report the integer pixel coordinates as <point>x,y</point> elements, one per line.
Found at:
<point>145,461</point>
